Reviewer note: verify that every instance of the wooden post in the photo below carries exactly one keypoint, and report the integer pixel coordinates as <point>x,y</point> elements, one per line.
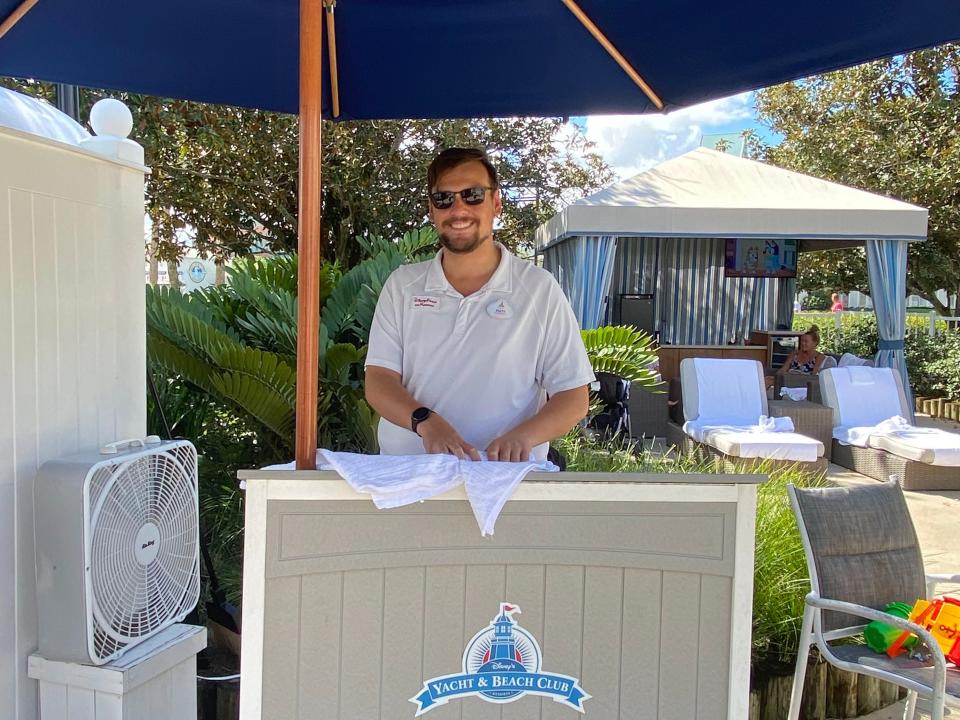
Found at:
<point>308,240</point>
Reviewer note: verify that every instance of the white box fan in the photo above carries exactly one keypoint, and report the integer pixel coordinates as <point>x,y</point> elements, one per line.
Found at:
<point>117,547</point>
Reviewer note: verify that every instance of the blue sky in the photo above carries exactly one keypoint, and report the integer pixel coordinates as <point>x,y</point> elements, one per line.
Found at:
<point>634,143</point>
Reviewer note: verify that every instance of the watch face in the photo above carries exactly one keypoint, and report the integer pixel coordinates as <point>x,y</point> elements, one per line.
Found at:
<point>421,414</point>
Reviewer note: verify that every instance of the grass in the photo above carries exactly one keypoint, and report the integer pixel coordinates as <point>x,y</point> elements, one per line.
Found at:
<point>780,571</point>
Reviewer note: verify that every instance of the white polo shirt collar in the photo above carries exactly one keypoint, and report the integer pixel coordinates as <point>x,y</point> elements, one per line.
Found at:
<point>500,281</point>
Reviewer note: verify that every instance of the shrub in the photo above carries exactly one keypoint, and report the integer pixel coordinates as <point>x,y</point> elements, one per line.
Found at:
<point>933,363</point>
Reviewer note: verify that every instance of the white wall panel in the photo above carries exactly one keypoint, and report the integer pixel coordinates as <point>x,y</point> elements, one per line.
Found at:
<point>72,348</point>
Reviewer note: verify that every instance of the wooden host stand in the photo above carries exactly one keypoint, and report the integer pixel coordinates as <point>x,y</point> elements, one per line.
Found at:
<point>638,585</point>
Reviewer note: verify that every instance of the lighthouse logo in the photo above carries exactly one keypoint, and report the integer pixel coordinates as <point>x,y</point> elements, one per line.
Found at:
<point>501,663</point>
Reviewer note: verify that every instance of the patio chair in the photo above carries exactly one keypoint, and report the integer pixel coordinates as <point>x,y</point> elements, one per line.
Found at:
<point>862,553</point>
<point>723,402</point>
<point>864,397</point>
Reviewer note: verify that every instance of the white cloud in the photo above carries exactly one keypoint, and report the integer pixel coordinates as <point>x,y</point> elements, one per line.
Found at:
<point>634,143</point>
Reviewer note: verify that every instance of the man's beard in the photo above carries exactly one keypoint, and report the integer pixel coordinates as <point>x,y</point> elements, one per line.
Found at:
<point>462,245</point>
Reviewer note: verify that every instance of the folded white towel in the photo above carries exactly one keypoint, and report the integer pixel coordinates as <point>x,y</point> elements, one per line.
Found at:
<point>794,393</point>
<point>395,480</point>
<point>860,435</point>
<point>774,424</point>
<point>851,360</point>
<point>861,375</point>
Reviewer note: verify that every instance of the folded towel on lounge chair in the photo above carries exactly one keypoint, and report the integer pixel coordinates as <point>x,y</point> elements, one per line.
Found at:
<point>396,480</point>
<point>770,439</point>
<point>794,393</point>
<point>896,435</point>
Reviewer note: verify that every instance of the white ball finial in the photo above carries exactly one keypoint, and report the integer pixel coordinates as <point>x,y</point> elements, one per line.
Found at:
<point>111,118</point>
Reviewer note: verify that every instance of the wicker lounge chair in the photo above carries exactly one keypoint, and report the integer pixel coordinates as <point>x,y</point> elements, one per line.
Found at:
<point>720,396</point>
<point>862,553</point>
<point>885,456</point>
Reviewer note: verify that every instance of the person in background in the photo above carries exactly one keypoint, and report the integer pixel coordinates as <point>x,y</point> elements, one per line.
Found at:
<point>806,360</point>
<point>837,305</point>
<point>475,349</point>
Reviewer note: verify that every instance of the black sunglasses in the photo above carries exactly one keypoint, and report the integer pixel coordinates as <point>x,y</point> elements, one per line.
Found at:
<point>443,199</point>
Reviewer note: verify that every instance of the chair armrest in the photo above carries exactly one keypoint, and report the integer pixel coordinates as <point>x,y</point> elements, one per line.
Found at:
<point>939,662</point>
<point>934,579</point>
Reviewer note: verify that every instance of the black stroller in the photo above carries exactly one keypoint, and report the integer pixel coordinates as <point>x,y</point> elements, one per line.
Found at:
<point>614,419</point>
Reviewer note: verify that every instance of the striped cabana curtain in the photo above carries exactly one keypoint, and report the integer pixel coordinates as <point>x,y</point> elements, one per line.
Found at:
<point>697,305</point>
<point>584,266</point>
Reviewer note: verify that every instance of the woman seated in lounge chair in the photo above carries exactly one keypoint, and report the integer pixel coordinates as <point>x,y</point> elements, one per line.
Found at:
<point>807,359</point>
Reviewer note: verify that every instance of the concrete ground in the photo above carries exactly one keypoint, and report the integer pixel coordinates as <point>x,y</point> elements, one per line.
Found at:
<point>936,516</point>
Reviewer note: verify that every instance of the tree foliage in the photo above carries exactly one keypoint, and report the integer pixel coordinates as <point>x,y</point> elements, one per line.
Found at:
<point>890,127</point>
<point>231,173</point>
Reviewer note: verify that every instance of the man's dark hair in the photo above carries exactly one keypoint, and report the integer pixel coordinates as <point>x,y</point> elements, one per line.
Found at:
<point>451,157</point>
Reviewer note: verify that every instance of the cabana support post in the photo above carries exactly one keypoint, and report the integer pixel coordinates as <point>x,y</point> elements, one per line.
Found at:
<point>308,233</point>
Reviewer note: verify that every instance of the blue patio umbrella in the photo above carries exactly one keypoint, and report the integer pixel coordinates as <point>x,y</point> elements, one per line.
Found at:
<point>442,59</point>
<point>468,58</point>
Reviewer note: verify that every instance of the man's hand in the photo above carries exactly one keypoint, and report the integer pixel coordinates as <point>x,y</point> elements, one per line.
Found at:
<point>439,436</point>
<point>513,447</point>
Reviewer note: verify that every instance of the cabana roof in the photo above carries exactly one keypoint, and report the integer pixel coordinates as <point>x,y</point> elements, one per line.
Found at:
<point>706,193</point>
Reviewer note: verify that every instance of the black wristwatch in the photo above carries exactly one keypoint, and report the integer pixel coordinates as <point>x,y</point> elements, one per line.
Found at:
<point>418,416</point>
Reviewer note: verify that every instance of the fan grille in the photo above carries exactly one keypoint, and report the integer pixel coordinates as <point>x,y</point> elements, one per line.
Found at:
<point>143,555</point>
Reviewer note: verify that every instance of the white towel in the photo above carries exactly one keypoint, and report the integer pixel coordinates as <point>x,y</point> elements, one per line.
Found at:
<point>861,375</point>
<point>850,360</point>
<point>700,430</point>
<point>395,480</point>
<point>794,393</point>
<point>860,435</point>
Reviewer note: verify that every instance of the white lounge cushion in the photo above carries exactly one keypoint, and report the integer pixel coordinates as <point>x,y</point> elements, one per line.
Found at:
<point>926,445</point>
<point>769,446</point>
<point>770,439</point>
<point>723,392</point>
<point>863,396</point>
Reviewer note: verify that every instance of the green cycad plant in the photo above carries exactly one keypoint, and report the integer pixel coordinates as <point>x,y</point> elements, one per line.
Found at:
<point>236,343</point>
<point>624,351</point>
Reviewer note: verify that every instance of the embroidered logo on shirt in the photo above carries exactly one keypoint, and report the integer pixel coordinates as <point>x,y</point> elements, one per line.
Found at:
<point>499,309</point>
<point>425,301</point>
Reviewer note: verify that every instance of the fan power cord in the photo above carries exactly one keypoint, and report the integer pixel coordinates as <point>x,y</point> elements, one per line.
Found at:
<point>222,678</point>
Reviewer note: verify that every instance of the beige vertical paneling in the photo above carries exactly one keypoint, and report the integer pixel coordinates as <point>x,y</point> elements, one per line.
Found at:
<point>485,589</point>
<point>679,635</point>
<point>639,666</point>
<point>53,699</point>
<point>7,349</point>
<point>53,329</point>
<point>108,313</point>
<point>603,609</point>
<point>86,347</point>
<point>402,640</point>
<point>9,664</point>
<point>319,663</point>
<point>68,321</point>
<point>27,429</point>
<point>281,647</point>
<point>361,661</point>
<point>714,643</point>
<point>525,589</point>
<point>110,707</point>
<point>562,640</point>
<point>48,326</point>
<point>443,629</point>
<point>81,704</point>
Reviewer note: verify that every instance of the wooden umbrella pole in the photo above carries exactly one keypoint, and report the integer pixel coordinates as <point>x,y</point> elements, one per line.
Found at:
<point>308,239</point>
<point>614,53</point>
<point>14,17</point>
<point>331,6</point>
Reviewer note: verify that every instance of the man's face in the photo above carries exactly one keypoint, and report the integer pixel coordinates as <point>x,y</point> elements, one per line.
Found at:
<point>463,228</point>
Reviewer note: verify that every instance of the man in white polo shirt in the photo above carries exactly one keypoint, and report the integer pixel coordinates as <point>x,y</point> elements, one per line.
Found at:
<point>466,348</point>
